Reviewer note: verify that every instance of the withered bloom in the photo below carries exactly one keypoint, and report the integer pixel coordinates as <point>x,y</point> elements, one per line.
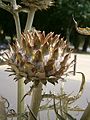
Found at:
<point>80,30</point>
<point>38,4</point>
<point>39,58</point>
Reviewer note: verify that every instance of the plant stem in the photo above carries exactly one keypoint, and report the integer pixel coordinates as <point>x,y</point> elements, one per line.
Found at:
<point>30,18</point>
<point>18,27</point>
<point>37,92</point>
<point>20,105</point>
<point>36,100</point>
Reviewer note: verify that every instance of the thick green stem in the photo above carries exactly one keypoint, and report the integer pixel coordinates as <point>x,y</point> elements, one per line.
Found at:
<point>35,101</point>
<point>20,105</point>
<point>18,27</point>
<point>30,18</point>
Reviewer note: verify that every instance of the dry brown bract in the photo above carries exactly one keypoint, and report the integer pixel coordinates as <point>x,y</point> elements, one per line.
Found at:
<point>39,58</point>
<point>83,31</point>
<point>38,4</point>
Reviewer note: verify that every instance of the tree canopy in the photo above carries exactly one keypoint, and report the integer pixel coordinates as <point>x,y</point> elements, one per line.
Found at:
<point>58,18</point>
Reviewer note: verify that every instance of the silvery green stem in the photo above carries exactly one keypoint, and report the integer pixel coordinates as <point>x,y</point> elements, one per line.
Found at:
<point>36,100</point>
<point>14,12</point>
<point>20,105</point>
<point>18,27</point>
<point>20,87</point>
<point>30,18</point>
<point>64,102</point>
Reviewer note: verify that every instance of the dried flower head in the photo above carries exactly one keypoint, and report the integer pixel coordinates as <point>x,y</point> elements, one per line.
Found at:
<point>39,57</point>
<point>38,4</point>
<point>82,31</point>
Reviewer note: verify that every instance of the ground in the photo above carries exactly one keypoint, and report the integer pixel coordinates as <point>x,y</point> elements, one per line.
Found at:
<point>8,88</point>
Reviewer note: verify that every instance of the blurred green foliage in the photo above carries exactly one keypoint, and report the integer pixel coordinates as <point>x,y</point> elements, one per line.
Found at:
<point>57,18</point>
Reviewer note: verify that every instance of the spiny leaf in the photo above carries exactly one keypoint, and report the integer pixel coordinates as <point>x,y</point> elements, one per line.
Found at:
<point>41,4</point>
<point>58,115</point>
<point>23,74</point>
<point>55,39</point>
<point>65,60</point>
<point>15,68</point>
<point>52,79</point>
<point>49,66</point>
<point>37,56</point>
<point>83,82</point>
<point>28,79</point>
<point>52,82</point>
<point>29,92</point>
<point>18,77</point>
<point>42,37</point>
<point>45,48</point>
<point>40,75</point>
<point>29,68</point>
<point>6,55</point>
<point>23,41</point>
<point>49,36</point>
<point>18,57</point>
<point>29,50</point>
<point>81,88</point>
<point>83,31</point>
<point>13,47</point>
<point>28,35</point>
<point>55,54</point>
<point>34,117</point>
<point>12,74</point>
<point>37,42</point>
<point>56,44</point>
<point>43,81</point>
<point>9,70</point>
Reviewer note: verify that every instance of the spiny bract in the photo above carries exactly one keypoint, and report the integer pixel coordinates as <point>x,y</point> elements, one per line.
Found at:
<point>39,58</point>
<point>38,4</point>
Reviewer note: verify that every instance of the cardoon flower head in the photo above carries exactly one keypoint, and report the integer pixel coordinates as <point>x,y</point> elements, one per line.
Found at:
<point>38,4</point>
<point>39,58</point>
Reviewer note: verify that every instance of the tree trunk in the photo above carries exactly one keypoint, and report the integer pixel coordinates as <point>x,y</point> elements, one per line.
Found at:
<point>68,34</point>
<point>86,43</point>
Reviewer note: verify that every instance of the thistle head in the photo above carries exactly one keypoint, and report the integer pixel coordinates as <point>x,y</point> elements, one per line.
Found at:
<point>39,57</point>
<point>38,4</point>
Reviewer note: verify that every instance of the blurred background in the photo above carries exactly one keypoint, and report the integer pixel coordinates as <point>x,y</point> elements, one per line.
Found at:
<point>57,18</point>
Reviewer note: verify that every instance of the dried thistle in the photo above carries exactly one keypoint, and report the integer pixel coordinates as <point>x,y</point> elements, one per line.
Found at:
<point>38,4</point>
<point>39,58</point>
<point>82,31</point>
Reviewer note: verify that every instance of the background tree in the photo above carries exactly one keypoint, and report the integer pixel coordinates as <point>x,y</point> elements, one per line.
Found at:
<point>58,18</point>
<point>61,19</point>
